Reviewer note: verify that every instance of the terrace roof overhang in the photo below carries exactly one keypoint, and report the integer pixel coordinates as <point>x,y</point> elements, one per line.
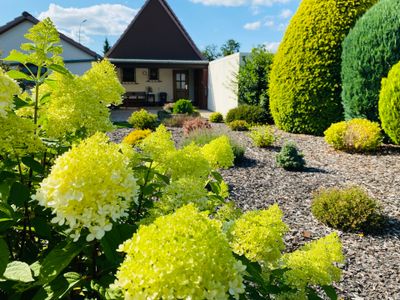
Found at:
<point>160,63</point>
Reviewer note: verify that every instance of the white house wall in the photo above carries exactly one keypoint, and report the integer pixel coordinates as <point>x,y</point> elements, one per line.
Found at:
<point>13,38</point>
<point>165,83</point>
<point>222,87</point>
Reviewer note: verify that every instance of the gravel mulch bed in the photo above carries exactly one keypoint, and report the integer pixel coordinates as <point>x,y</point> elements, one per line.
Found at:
<point>372,268</point>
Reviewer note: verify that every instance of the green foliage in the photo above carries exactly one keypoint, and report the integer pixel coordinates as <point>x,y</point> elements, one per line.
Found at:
<point>219,152</point>
<point>216,117</point>
<point>357,135</point>
<point>251,114</point>
<point>305,77</point>
<point>290,158</point>
<point>211,53</point>
<point>136,136</point>
<point>239,125</point>
<point>369,51</point>
<point>230,47</point>
<point>106,46</point>
<point>349,209</point>
<point>262,136</point>
<point>183,106</point>
<point>252,79</point>
<point>389,104</point>
<point>142,119</point>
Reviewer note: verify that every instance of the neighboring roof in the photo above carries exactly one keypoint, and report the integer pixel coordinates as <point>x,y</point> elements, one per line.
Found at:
<point>156,34</point>
<point>28,17</point>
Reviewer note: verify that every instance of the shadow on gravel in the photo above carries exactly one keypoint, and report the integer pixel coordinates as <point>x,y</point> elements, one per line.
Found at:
<point>246,162</point>
<point>388,150</point>
<point>390,228</point>
<point>315,170</point>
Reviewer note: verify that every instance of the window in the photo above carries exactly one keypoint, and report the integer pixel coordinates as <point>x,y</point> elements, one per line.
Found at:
<point>153,74</point>
<point>128,75</point>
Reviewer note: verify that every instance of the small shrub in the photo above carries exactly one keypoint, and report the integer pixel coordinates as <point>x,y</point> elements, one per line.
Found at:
<point>169,107</point>
<point>143,120</point>
<point>349,209</point>
<point>358,135</point>
<point>249,113</point>
<point>202,137</point>
<point>135,136</point>
<point>216,117</point>
<point>239,125</point>
<point>290,158</point>
<point>219,152</point>
<point>183,106</point>
<point>177,121</point>
<point>262,136</point>
<point>195,124</point>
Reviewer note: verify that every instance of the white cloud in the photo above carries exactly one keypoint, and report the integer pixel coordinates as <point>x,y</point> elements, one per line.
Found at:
<point>252,26</point>
<point>240,2</point>
<point>101,20</point>
<point>272,46</point>
<point>286,13</point>
<point>269,23</point>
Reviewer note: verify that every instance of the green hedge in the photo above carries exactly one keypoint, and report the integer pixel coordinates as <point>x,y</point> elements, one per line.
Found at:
<point>389,104</point>
<point>369,51</point>
<point>305,76</point>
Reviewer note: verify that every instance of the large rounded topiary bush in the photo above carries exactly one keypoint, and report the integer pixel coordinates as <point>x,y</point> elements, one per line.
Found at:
<point>371,48</point>
<point>305,76</point>
<point>389,104</point>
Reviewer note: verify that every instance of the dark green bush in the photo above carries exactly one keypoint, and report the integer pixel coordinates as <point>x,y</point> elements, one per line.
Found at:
<point>253,79</point>
<point>142,119</point>
<point>349,209</point>
<point>239,125</point>
<point>290,158</point>
<point>369,51</point>
<point>183,106</point>
<point>249,113</point>
<point>305,76</point>
<point>216,117</point>
<point>389,104</point>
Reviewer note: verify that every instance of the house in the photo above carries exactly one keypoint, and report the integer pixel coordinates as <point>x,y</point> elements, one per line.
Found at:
<point>222,82</point>
<point>157,61</point>
<point>77,57</point>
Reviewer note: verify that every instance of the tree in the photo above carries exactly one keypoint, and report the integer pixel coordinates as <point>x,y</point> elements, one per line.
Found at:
<point>305,83</point>
<point>106,46</point>
<point>231,46</point>
<point>210,52</point>
<point>252,78</point>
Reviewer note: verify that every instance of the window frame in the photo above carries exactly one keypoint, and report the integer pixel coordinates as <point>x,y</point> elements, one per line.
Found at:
<point>150,73</point>
<point>123,75</point>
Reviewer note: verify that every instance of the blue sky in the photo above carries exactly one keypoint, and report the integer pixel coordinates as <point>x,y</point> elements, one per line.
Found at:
<point>251,22</point>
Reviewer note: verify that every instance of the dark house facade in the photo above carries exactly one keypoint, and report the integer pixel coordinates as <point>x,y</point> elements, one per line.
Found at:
<point>157,61</point>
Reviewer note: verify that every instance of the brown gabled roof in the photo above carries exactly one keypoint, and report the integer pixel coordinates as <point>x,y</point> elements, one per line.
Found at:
<point>28,17</point>
<point>155,33</point>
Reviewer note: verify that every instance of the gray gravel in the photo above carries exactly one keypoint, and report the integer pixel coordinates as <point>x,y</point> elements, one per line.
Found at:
<point>372,268</point>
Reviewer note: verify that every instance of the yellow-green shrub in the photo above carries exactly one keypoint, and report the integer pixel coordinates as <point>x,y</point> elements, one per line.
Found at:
<point>142,119</point>
<point>262,136</point>
<point>349,209</point>
<point>216,117</point>
<point>356,135</point>
<point>305,77</point>
<point>389,104</point>
<point>239,125</point>
<point>219,152</point>
<point>135,136</point>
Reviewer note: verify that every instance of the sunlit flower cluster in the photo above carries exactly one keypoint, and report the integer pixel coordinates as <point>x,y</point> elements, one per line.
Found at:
<point>258,235</point>
<point>136,136</point>
<point>8,89</point>
<point>180,256</point>
<point>219,152</point>
<point>157,144</point>
<point>76,106</point>
<point>89,187</point>
<point>17,136</point>
<point>314,263</point>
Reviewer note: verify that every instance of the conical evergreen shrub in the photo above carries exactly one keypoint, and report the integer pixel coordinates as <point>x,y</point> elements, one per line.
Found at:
<point>305,77</point>
<point>369,51</point>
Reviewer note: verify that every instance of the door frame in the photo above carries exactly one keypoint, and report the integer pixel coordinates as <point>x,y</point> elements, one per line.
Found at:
<point>187,82</point>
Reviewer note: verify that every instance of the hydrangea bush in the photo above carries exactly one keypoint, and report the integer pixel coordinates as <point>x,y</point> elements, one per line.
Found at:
<point>82,217</point>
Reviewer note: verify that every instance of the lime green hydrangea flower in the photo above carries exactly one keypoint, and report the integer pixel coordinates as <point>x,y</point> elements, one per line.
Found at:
<point>8,89</point>
<point>180,256</point>
<point>89,186</point>
<point>157,144</point>
<point>258,235</point>
<point>18,137</point>
<point>219,152</point>
<point>314,263</point>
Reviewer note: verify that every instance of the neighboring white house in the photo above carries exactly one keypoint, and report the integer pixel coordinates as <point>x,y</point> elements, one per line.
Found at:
<point>77,57</point>
<point>222,83</point>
